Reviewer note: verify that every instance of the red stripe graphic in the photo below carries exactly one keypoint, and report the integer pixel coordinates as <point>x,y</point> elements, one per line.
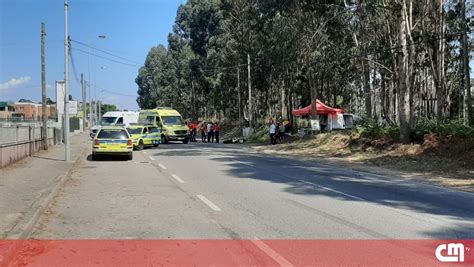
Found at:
<point>235,252</point>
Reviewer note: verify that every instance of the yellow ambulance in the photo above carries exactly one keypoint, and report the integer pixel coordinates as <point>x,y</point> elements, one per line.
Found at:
<point>169,120</point>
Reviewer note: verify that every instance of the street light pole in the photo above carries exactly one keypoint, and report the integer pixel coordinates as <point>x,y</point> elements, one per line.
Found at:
<point>66,84</point>
<point>97,102</point>
<point>84,103</point>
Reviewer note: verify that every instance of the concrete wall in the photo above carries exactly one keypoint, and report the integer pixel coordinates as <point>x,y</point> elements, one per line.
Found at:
<point>21,141</point>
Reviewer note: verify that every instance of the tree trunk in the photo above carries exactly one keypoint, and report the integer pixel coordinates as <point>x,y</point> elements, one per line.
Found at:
<point>366,83</point>
<point>314,96</point>
<point>465,64</point>
<point>283,102</point>
<point>441,88</point>
<point>383,95</point>
<point>403,74</point>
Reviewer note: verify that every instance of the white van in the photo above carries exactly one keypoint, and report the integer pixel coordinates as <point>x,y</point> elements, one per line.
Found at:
<point>111,118</point>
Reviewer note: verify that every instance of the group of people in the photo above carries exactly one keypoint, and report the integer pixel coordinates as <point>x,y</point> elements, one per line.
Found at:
<point>277,132</point>
<point>209,131</point>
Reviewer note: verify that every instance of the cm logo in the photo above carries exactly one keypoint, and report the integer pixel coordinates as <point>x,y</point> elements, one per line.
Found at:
<point>452,252</point>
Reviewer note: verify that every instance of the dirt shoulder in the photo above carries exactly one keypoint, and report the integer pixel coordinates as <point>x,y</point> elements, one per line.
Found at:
<point>447,163</point>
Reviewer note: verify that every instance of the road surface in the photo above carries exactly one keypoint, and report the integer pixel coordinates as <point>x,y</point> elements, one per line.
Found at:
<point>217,191</point>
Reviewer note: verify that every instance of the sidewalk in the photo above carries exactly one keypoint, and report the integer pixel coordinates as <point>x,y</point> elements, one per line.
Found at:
<point>27,186</point>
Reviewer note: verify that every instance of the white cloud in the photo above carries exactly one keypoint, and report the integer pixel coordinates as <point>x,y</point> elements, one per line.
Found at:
<point>14,82</point>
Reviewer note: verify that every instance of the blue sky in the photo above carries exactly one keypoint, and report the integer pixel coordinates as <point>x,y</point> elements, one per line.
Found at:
<point>131,27</point>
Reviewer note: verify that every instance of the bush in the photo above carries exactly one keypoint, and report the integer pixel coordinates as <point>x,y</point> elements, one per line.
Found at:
<point>377,131</point>
<point>455,128</point>
<point>260,136</point>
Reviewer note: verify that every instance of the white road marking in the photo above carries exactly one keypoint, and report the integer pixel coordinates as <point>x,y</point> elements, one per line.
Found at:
<point>144,152</point>
<point>209,203</point>
<point>136,162</point>
<point>270,252</point>
<point>152,158</point>
<point>332,190</point>
<point>162,166</point>
<point>176,177</point>
<point>306,182</point>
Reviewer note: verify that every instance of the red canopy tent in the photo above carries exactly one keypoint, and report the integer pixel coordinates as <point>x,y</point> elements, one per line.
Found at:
<point>321,108</point>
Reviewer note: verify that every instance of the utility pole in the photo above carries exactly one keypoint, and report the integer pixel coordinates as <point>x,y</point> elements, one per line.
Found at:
<point>238,91</point>
<point>95,103</point>
<point>66,84</point>
<point>100,109</point>
<point>250,90</point>
<point>88,83</point>
<point>84,103</point>
<point>90,103</point>
<point>43,88</point>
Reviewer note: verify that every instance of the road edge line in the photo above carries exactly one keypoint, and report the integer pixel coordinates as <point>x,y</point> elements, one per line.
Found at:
<point>209,203</point>
<point>333,190</point>
<point>177,178</point>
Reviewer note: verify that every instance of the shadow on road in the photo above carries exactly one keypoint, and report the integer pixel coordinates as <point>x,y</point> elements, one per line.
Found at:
<point>108,158</point>
<point>47,158</point>
<point>313,178</point>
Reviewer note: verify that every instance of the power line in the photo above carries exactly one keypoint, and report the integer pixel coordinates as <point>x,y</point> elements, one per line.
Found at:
<point>217,69</point>
<point>22,87</point>
<point>73,66</point>
<point>113,93</point>
<point>109,59</point>
<point>106,52</point>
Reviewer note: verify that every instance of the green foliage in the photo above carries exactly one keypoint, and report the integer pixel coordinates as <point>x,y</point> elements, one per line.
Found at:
<point>104,108</point>
<point>455,128</point>
<point>343,52</point>
<point>260,136</point>
<point>374,130</point>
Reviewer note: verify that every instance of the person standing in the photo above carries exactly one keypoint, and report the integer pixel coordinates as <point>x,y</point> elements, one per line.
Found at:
<point>210,136</point>
<point>193,132</point>
<point>203,132</point>
<point>190,128</point>
<point>282,133</point>
<point>272,132</point>
<point>277,133</point>
<point>217,129</point>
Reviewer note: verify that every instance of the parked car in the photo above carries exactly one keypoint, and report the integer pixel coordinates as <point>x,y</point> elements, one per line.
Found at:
<point>112,140</point>
<point>144,136</point>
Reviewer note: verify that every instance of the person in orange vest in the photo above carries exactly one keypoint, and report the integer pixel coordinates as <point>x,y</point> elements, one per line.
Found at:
<point>217,129</point>
<point>192,128</point>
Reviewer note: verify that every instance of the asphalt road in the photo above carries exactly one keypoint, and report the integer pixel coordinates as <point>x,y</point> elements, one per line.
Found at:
<point>211,191</point>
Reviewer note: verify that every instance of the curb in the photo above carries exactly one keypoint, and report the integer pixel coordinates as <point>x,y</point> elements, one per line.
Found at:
<point>24,228</point>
